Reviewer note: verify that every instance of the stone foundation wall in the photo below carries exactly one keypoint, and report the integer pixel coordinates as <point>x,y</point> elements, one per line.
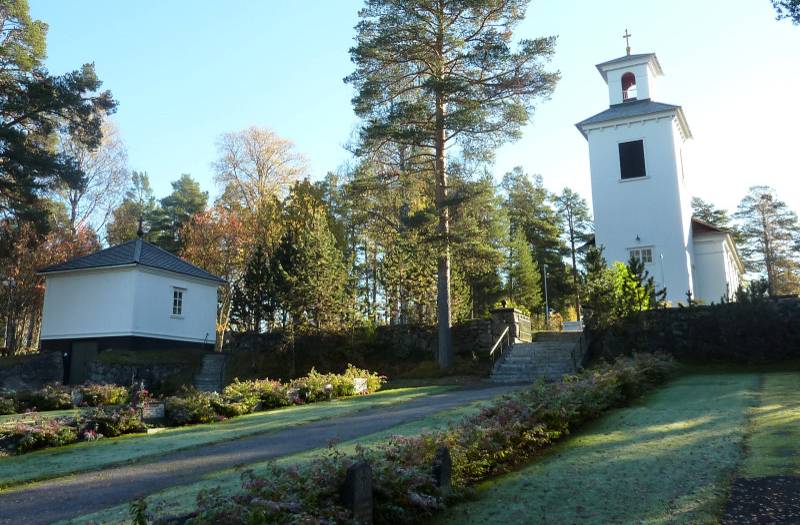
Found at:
<point>159,377</point>
<point>33,371</point>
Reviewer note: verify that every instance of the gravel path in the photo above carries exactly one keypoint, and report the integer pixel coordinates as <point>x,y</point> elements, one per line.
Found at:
<point>763,501</point>
<point>72,496</point>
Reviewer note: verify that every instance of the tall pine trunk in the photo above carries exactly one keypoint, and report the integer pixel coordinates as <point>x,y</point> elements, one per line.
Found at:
<point>445,356</point>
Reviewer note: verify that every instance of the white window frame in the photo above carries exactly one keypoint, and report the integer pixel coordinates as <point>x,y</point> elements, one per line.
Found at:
<point>646,166</point>
<point>639,252</point>
<point>178,294</point>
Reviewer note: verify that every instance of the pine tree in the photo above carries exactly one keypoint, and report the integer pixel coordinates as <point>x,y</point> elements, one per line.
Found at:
<point>770,234</point>
<point>35,106</point>
<point>175,211</point>
<point>530,209</point>
<point>788,9</point>
<point>139,203</point>
<point>431,74</point>
<point>706,211</point>
<point>575,213</point>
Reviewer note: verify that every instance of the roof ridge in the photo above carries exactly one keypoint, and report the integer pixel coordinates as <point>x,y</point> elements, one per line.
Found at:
<point>137,250</point>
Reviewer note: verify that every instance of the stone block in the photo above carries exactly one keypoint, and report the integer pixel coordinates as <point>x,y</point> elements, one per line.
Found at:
<point>443,470</point>
<point>357,492</point>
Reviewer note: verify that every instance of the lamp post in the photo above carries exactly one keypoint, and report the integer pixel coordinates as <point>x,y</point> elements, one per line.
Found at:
<point>546,303</point>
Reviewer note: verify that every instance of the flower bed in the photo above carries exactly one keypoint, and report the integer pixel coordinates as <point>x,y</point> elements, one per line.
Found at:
<point>20,437</point>
<point>60,397</point>
<point>503,435</point>
<point>113,417</point>
<point>244,397</point>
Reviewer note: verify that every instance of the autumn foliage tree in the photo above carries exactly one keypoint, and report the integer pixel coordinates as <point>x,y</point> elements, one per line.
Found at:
<point>217,241</point>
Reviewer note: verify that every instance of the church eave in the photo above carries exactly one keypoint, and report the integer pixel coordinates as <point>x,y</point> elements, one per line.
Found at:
<point>618,63</point>
<point>587,125</point>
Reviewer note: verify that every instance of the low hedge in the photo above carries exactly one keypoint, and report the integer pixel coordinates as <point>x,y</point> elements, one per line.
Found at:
<point>498,438</point>
<point>243,397</point>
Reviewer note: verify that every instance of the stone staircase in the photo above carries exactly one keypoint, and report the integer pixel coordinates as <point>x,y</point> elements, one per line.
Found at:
<point>549,356</point>
<point>209,378</point>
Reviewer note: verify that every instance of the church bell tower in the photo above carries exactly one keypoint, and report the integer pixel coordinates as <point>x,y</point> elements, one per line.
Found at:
<point>641,204</point>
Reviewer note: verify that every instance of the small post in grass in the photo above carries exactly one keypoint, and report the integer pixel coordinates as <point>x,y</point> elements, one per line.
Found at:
<point>443,470</point>
<point>357,492</point>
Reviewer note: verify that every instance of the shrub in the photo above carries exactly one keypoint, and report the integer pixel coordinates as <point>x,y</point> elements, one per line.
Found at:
<point>21,437</point>
<point>7,406</point>
<point>499,437</point>
<point>110,422</point>
<point>193,406</point>
<point>266,392</point>
<point>314,386</point>
<point>97,395</point>
<point>50,397</point>
<point>374,381</point>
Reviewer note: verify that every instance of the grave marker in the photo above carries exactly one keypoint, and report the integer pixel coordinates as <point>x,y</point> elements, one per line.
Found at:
<point>357,492</point>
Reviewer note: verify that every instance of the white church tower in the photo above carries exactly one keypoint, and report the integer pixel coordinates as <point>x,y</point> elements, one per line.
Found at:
<point>641,204</point>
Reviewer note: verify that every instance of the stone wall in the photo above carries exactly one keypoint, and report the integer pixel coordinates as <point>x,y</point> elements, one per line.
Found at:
<point>390,349</point>
<point>157,377</point>
<point>33,371</point>
<point>748,332</point>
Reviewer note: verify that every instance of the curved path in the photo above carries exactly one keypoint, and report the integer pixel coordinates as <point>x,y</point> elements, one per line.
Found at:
<point>72,496</point>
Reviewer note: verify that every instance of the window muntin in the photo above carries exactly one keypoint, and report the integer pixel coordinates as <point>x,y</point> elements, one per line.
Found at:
<point>177,301</point>
<point>631,160</point>
<point>642,254</point>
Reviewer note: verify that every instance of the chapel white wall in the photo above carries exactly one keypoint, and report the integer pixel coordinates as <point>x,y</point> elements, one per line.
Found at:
<point>716,271</point>
<point>88,304</point>
<point>127,301</point>
<point>153,307</point>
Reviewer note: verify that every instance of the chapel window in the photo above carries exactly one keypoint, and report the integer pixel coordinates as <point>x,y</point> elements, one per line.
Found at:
<point>177,301</point>
<point>629,86</point>
<point>631,159</point>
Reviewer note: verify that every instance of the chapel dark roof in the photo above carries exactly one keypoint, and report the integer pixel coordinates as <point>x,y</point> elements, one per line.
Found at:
<point>699,226</point>
<point>138,252</point>
<point>624,110</point>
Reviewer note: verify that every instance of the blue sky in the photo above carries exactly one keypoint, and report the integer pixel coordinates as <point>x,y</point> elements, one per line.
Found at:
<point>185,72</point>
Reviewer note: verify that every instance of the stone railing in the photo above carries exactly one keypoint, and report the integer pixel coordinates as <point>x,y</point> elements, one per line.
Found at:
<point>518,323</point>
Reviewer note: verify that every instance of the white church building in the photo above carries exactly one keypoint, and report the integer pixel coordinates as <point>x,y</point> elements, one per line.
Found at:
<point>639,188</point>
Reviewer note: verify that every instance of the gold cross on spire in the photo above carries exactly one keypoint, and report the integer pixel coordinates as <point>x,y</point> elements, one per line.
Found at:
<point>627,36</point>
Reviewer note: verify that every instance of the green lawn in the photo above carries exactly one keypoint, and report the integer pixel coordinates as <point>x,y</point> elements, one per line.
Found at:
<point>50,414</point>
<point>56,462</point>
<point>773,442</point>
<point>668,459</point>
<point>182,499</point>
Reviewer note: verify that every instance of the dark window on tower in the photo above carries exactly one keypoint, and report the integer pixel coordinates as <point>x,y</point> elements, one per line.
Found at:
<point>631,159</point>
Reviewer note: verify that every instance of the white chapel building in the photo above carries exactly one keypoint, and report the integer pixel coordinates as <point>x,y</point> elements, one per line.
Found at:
<point>128,297</point>
<point>639,188</point>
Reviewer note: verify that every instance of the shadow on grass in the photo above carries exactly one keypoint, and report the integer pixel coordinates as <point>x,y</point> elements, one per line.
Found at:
<point>667,460</point>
